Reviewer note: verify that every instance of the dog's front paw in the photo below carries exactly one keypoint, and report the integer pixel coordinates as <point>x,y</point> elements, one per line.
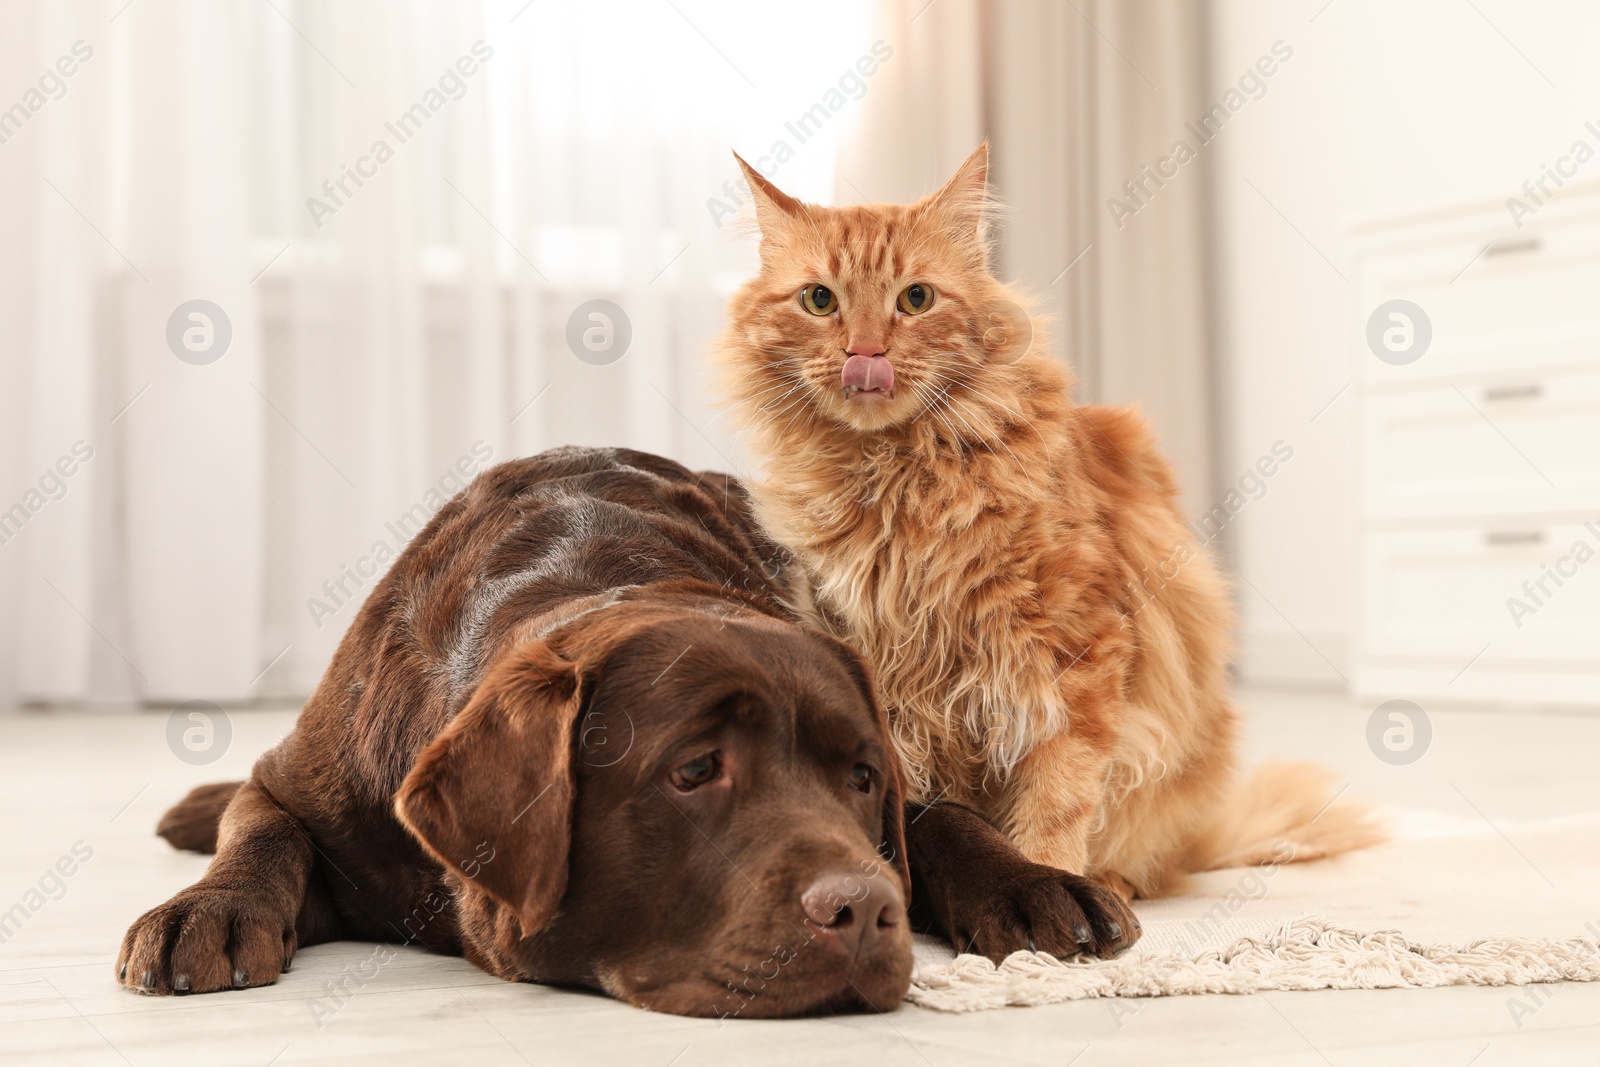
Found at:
<point>203,940</point>
<point>1041,908</point>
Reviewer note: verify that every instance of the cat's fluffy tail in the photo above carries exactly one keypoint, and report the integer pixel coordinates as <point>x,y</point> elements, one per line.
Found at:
<point>1287,813</point>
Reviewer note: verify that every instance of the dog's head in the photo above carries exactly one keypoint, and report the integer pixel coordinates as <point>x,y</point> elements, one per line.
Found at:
<point>696,814</point>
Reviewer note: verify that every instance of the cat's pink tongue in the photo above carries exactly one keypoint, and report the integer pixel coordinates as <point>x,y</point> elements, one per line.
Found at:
<point>867,374</point>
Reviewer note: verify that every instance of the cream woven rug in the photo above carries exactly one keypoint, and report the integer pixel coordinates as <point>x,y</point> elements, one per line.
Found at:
<point>1444,903</point>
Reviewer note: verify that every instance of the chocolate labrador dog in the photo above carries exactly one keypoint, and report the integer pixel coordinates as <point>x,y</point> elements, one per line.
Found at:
<point>575,735</point>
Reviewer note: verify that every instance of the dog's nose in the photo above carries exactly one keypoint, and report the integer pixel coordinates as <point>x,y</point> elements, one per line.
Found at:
<point>851,911</point>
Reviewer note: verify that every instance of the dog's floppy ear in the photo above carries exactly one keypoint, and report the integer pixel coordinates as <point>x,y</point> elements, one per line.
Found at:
<point>894,801</point>
<point>491,797</point>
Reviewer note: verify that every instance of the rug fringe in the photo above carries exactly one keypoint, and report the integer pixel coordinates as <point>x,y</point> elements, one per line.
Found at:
<point>1304,953</point>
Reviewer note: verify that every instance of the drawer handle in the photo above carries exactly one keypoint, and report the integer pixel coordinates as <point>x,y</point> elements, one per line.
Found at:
<point>1508,248</point>
<point>1513,392</point>
<point>1514,537</point>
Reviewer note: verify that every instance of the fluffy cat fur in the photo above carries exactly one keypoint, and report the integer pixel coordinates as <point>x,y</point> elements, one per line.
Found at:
<point>1049,638</point>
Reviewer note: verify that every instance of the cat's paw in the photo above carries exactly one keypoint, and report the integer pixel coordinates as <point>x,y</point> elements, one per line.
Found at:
<point>1043,909</point>
<point>203,940</point>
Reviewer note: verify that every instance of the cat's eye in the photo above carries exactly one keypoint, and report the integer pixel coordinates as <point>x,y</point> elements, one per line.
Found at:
<point>819,300</point>
<point>861,777</point>
<point>698,771</point>
<point>916,298</point>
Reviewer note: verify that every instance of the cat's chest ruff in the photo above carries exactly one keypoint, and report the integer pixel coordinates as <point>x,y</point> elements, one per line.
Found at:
<point>911,541</point>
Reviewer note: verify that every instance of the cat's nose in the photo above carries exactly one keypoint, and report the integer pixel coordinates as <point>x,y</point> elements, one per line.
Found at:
<point>863,347</point>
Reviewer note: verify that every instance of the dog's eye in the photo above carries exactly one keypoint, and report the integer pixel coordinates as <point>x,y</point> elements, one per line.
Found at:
<point>861,777</point>
<point>698,771</point>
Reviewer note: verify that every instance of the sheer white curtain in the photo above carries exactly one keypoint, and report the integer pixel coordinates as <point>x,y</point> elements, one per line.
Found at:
<point>176,524</point>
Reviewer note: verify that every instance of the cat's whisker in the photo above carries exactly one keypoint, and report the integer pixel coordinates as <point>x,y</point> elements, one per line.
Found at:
<point>935,411</point>
<point>767,407</point>
<point>969,384</point>
<point>938,413</point>
<point>798,407</point>
<point>939,396</point>
<point>996,402</point>
<point>1001,440</point>
<point>760,395</point>
<point>956,436</point>
<point>948,402</point>
<point>801,390</point>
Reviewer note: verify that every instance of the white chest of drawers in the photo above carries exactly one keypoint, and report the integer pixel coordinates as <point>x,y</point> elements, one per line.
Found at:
<point>1477,464</point>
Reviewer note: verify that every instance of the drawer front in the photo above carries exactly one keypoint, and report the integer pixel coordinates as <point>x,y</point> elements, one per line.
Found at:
<point>1494,682</point>
<point>1514,443</point>
<point>1512,299</point>
<point>1529,592</point>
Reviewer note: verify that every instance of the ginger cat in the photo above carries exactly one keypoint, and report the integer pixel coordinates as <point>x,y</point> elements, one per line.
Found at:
<point>1049,639</point>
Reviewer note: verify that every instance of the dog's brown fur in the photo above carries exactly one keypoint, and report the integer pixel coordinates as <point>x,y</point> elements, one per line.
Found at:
<point>1049,639</point>
<point>490,767</point>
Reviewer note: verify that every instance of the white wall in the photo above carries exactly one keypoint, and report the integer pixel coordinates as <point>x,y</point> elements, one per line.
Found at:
<point>1383,107</point>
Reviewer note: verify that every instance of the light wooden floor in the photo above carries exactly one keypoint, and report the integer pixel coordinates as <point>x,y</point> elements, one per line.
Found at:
<point>103,780</point>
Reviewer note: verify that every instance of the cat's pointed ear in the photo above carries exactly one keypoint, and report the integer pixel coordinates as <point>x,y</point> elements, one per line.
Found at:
<point>776,210</point>
<point>963,207</point>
